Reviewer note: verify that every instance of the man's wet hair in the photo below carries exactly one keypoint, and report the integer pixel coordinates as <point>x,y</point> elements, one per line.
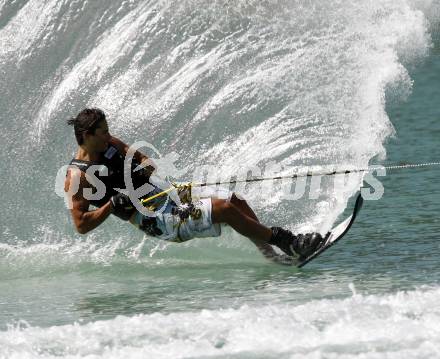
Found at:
<point>87,121</point>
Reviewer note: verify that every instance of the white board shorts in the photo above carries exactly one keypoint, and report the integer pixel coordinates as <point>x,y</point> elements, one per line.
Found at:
<point>174,229</point>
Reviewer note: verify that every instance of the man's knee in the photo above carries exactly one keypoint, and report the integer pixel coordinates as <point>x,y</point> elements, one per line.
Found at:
<point>237,199</point>
<point>222,210</point>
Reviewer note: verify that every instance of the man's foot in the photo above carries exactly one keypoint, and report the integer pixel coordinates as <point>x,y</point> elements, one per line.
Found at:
<point>301,245</point>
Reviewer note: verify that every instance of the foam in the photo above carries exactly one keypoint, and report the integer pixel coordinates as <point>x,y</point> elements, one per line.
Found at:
<point>395,325</point>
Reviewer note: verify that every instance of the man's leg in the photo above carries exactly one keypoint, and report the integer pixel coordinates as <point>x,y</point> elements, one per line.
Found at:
<point>244,207</point>
<point>224,211</point>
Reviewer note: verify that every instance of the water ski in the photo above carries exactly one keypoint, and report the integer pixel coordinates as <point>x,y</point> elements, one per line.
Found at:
<point>335,234</point>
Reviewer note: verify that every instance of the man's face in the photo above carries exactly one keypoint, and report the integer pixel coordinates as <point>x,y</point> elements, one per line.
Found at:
<point>100,139</point>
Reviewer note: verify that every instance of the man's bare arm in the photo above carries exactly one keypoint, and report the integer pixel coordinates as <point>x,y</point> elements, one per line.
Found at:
<point>84,219</point>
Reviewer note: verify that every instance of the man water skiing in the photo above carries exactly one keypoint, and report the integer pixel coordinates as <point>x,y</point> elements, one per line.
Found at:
<point>174,221</point>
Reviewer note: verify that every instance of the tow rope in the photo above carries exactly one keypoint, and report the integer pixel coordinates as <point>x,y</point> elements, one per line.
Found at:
<point>294,176</point>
